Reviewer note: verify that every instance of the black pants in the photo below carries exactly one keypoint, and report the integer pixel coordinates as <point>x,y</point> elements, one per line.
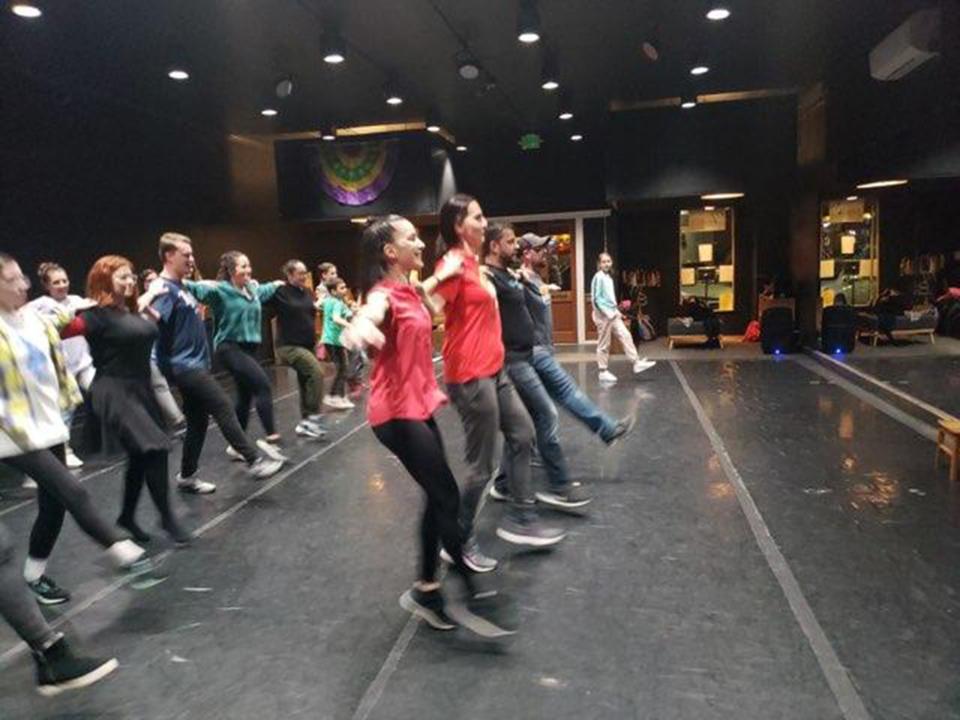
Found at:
<point>57,492</point>
<point>253,385</point>
<point>203,397</point>
<point>419,447</point>
<point>152,468</point>
<point>337,354</point>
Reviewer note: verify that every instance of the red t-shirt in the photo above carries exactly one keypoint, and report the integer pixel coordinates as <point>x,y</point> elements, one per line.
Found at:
<point>472,345</point>
<point>402,383</point>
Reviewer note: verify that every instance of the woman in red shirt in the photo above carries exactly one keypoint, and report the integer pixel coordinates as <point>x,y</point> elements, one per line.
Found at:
<point>404,396</point>
<point>485,398</point>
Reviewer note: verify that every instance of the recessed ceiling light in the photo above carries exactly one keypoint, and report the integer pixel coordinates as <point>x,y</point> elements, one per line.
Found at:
<point>26,11</point>
<point>528,22</point>
<point>687,104</point>
<point>528,37</point>
<point>722,196</point>
<point>718,13</point>
<point>566,115</point>
<point>394,100</point>
<point>461,148</point>
<point>881,184</point>
<point>851,198</point>
<point>550,85</point>
<point>268,112</point>
<point>709,208</point>
<point>328,136</point>
<point>576,137</point>
<point>178,74</point>
<point>433,128</point>
<point>333,58</point>
<point>699,70</point>
<point>333,48</point>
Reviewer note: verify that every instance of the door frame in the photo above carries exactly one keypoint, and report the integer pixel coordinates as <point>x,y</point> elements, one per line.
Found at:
<point>578,216</point>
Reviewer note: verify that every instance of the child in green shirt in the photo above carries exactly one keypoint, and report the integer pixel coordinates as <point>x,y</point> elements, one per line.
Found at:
<point>336,316</point>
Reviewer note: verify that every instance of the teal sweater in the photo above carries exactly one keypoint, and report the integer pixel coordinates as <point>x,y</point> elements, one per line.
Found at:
<point>237,315</point>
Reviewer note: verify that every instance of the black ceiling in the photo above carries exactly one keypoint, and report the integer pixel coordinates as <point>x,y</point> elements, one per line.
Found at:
<point>235,50</point>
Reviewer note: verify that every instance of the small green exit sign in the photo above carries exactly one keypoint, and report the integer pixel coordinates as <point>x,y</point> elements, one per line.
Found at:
<point>530,141</point>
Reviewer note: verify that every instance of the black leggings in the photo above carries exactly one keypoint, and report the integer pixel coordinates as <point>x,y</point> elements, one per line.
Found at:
<point>152,468</point>
<point>240,360</point>
<point>337,354</point>
<point>58,491</point>
<point>419,447</point>
<point>203,397</point>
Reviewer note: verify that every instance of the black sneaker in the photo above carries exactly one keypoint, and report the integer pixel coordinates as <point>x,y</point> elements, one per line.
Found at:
<point>58,669</point>
<point>48,592</point>
<point>530,531</point>
<point>428,605</point>
<point>573,496</point>
<point>623,428</point>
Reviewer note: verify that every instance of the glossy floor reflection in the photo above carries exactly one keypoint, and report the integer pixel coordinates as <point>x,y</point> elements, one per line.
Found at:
<point>659,604</point>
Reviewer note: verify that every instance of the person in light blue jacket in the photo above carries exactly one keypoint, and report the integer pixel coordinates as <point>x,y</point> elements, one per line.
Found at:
<point>607,318</point>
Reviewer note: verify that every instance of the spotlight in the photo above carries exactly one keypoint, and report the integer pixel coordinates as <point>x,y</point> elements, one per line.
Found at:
<point>549,73</point>
<point>178,74</point>
<point>461,148</point>
<point>392,95</point>
<point>565,116</point>
<point>688,102</point>
<point>565,109</point>
<point>328,134</point>
<point>26,11</point>
<point>576,137</point>
<point>268,112</point>
<point>528,22</point>
<point>433,128</point>
<point>718,13</point>
<point>333,49</point>
<point>851,198</point>
<point>699,70</point>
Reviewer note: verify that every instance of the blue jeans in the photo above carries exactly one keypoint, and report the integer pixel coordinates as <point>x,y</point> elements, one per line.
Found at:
<point>568,395</point>
<point>546,421</point>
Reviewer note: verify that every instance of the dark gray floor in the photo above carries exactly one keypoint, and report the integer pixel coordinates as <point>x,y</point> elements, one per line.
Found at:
<point>934,379</point>
<point>659,604</point>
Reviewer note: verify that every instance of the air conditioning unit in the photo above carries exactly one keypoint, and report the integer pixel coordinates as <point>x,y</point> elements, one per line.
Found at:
<point>907,47</point>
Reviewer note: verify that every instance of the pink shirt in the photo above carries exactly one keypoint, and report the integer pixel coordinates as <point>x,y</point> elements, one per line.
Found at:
<point>402,384</point>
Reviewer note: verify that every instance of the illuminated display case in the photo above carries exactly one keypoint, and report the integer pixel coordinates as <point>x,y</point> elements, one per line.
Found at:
<point>707,239</point>
<point>849,257</point>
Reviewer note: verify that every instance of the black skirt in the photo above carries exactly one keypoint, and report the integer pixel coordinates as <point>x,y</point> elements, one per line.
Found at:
<point>128,411</point>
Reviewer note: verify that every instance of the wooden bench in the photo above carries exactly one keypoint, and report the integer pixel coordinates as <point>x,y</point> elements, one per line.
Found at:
<point>948,443</point>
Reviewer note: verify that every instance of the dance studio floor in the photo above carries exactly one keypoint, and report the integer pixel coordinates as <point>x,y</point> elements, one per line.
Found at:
<point>771,542</point>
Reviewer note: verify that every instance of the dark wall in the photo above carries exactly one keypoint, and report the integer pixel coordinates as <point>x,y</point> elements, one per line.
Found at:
<point>669,153</point>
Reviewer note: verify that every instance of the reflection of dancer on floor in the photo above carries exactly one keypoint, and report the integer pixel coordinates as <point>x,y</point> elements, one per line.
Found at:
<point>498,254</point>
<point>403,399</point>
<point>607,318</point>
<point>36,388</point>
<point>58,668</point>
<point>296,344</point>
<point>121,340</point>
<point>58,299</point>
<point>184,357</point>
<point>235,299</point>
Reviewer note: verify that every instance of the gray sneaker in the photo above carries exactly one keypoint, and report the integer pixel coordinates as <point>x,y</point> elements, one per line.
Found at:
<point>573,496</point>
<point>530,532</point>
<point>264,467</point>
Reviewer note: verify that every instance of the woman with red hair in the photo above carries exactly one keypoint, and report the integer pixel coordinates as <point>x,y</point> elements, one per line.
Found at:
<point>121,333</point>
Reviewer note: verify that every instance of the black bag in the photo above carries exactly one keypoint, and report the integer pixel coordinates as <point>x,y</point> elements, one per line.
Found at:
<point>838,329</point>
<point>776,330</point>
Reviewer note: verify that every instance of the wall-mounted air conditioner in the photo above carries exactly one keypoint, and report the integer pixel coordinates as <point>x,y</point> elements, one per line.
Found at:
<point>909,46</point>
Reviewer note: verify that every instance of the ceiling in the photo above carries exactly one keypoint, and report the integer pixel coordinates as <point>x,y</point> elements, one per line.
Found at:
<point>236,50</point>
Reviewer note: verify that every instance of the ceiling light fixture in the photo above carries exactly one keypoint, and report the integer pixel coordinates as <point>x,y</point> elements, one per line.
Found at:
<point>268,112</point>
<point>718,13</point>
<point>576,137</point>
<point>549,73</point>
<point>468,69</point>
<point>528,22</point>
<point>392,94</point>
<point>709,208</point>
<point>851,198</point>
<point>688,103</point>
<point>699,70</point>
<point>565,115</point>
<point>333,49</point>
<point>178,74</point>
<point>433,128</point>
<point>284,87</point>
<point>565,106</point>
<point>881,184</point>
<point>30,12</point>
<point>328,134</point>
<point>722,196</point>
<point>461,148</point>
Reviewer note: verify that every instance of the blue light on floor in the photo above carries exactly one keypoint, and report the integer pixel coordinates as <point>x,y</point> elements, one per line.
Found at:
<point>838,351</point>
<point>777,351</point>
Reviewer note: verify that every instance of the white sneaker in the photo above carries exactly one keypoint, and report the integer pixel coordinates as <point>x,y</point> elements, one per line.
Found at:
<point>73,462</point>
<point>195,486</point>
<point>271,450</point>
<point>643,364</point>
<point>607,376</point>
<point>234,454</point>
<point>29,484</point>
<point>264,467</point>
<point>331,401</point>
<point>346,403</point>
<point>309,429</point>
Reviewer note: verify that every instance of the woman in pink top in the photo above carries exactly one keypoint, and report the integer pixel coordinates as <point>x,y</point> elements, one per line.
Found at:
<point>397,328</point>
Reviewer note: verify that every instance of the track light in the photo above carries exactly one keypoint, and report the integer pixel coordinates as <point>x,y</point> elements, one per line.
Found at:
<point>528,22</point>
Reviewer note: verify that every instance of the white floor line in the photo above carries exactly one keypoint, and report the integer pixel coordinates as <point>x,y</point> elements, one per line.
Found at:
<point>887,386</point>
<point>119,463</point>
<point>836,675</point>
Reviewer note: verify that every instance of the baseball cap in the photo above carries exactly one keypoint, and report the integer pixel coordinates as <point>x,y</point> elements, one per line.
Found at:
<point>530,241</point>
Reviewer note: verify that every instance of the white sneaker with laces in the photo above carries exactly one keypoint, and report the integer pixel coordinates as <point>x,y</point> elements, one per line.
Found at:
<point>643,364</point>
<point>195,486</point>
<point>234,454</point>
<point>271,450</point>
<point>73,462</point>
<point>607,376</point>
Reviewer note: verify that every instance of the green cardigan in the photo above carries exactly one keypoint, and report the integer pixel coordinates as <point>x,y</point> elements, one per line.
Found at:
<point>237,313</point>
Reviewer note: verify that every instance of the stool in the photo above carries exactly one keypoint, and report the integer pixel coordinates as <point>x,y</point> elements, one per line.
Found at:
<point>948,443</point>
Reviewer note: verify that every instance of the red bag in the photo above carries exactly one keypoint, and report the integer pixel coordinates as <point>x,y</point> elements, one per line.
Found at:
<point>753,332</point>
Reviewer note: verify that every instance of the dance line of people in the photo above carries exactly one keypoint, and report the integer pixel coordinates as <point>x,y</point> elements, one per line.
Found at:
<point>145,335</point>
